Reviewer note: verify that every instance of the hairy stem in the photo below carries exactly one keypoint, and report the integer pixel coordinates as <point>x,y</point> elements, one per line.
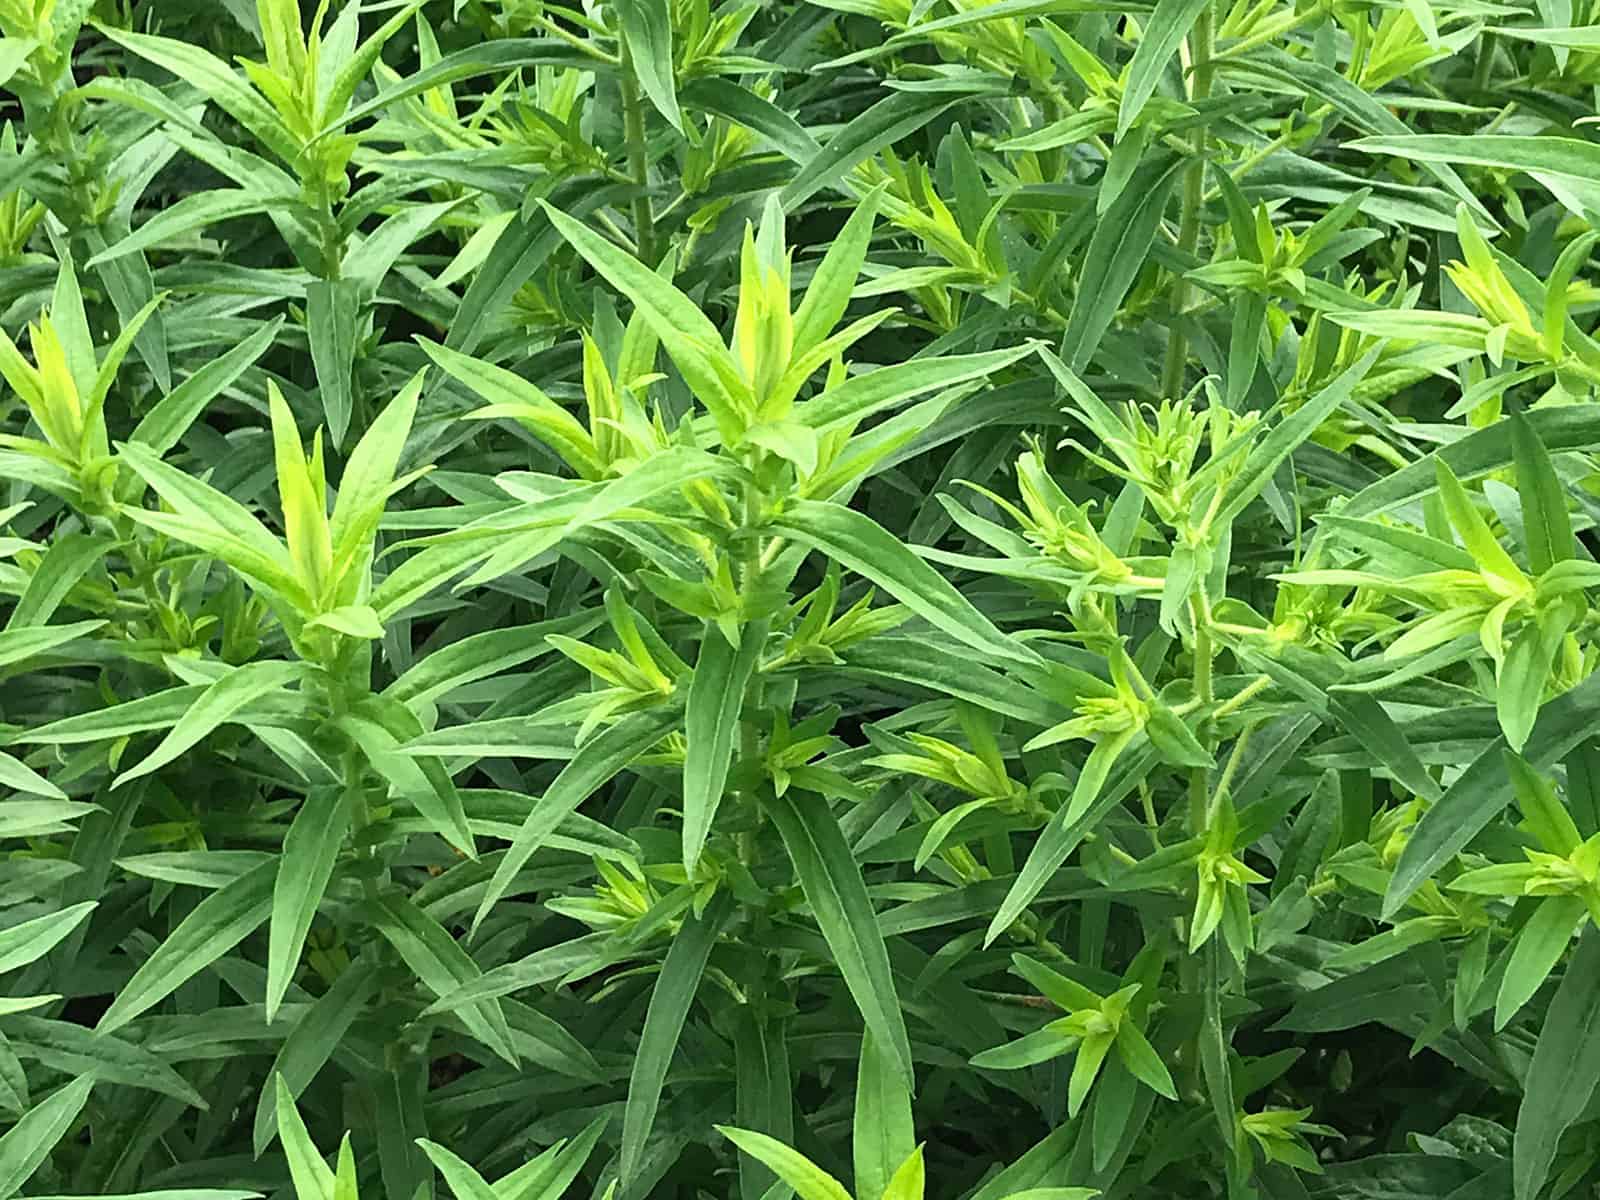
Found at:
<point>1205,694</point>
<point>1201,41</point>
<point>749,561</point>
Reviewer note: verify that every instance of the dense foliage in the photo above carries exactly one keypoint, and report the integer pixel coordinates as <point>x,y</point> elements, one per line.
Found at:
<point>991,598</point>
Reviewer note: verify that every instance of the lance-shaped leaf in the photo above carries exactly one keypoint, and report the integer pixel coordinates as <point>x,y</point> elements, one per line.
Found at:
<point>369,479</point>
<point>808,1180</point>
<point>26,941</point>
<point>596,762</point>
<point>1485,787</point>
<point>711,723</point>
<point>882,1137</point>
<point>688,336</point>
<point>1168,26</point>
<point>1565,1071</point>
<point>216,523</point>
<point>29,1142</point>
<point>1546,527</point>
<point>221,702</point>
<point>838,896</point>
<point>218,923</point>
<point>670,1001</point>
<point>647,32</point>
<point>865,395</point>
<point>442,965</point>
<point>309,850</point>
<point>865,547</point>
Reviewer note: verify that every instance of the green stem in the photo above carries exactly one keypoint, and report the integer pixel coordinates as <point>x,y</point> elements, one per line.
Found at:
<point>328,230</point>
<point>351,773</point>
<point>1273,33</point>
<point>1251,690</point>
<point>577,43</point>
<point>747,567</point>
<point>621,238</point>
<point>644,226</point>
<point>1202,39</point>
<point>1199,801</point>
<point>1204,691</point>
<point>1202,662</point>
<point>1148,804</point>
<point>1225,784</point>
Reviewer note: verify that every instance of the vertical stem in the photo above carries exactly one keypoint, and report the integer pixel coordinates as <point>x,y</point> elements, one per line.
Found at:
<point>644,226</point>
<point>1199,801</point>
<point>1202,39</point>
<point>1202,662</point>
<point>332,242</point>
<point>352,783</point>
<point>747,565</point>
<point>1204,690</point>
<point>1483,65</point>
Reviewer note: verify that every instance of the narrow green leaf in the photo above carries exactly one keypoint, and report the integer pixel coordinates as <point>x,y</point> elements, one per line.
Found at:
<point>595,764</point>
<point>14,52</point>
<point>1484,788</point>
<point>332,311</point>
<point>22,643</point>
<point>865,547</point>
<point>828,294</point>
<point>810,1181</point>
<point>313,1180</point>
<point>686,334</point>
<point>1565,1070</point>
<point>313,1040</point>
<point>65,563</point>
<point>370,477</point>
<point>218,923</point>
<point>18,775</point>
<point>481,58</point>
<point>465,1183</point>
<point>838,896</point>
<point>1286,436</point>
<point>1060,837</point>
<point>1556,157</point>
<point>221,702</point>
<point>379,729</point>
<point>1539,946</point>
<point>711,723</point>
<point>161,428</point>
<point>195,211</point>
<point>1565,427</point>
<point>647,32</point>
<point>1163,33</point>
<point>882,1136</point>
<point>670,1001</point>
<point>482,655</point>
<point>1142,1060</point>
<point>309,850</point>
<point>890,120</point>
<point>865,395</point>
<point>74,1050</point>
<point>442,965</point>
<point>230,91</point>
<point>29,1142</point>
<point>22,943</point>
<point>1546,527</point>
<point>1118,249</point>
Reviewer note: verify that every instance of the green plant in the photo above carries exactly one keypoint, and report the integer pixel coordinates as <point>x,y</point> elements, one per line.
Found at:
<point>993,600</point>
